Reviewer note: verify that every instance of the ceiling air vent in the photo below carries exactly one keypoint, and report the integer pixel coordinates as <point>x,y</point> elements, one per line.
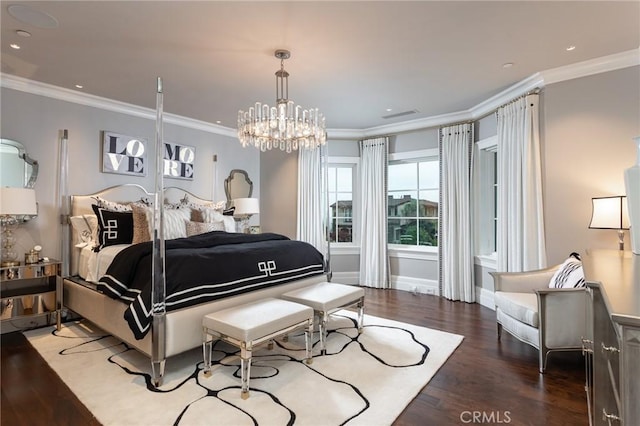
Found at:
<point>400,114</point>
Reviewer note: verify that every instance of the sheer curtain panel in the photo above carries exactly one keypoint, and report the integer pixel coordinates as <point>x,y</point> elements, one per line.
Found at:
<point>520,234</point>
<point>456,242</point>
<point>310,201</point>
<point>374,260</point>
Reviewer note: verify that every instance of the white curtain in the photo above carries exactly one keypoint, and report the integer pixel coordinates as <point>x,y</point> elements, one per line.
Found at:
<point>456,242</point>
<point>520,239</point>
<point>310,201</point>
<point>374,261</point>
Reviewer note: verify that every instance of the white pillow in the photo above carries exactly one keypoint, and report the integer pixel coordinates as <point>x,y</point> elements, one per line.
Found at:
<point>174,222</point>
<point>229,224</point>
<point>211,215</point>
<point>570,274</point>
<point>215,215</point>
<point>86,228</point>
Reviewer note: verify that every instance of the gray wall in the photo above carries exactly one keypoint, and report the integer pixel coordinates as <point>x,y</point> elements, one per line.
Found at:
<point>36,121</point>
<point>278,202</point>
<point>588,126</point>
<point>485,127</point>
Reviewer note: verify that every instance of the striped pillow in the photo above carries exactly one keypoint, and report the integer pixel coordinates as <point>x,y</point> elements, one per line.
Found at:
<point>570,274</point>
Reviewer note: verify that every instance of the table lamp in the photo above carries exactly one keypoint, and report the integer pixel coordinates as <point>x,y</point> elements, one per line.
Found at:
<point>610,213</point>
<point>244,209</point>
<point>16,205</point>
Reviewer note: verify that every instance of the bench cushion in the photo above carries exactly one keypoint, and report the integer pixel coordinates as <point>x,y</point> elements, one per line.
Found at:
<point>257,319</point>
<point>325,296</point>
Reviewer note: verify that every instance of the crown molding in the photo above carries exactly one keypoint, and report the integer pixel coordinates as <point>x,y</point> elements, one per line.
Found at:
<point>538,80</point>
<point>60,93</point>
<point>613,62</point>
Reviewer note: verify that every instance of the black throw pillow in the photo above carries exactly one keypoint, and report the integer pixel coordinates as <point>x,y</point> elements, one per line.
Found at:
<point>113,227</point>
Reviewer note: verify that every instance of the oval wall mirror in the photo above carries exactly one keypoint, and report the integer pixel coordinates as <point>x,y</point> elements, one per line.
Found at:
<point>17,170</point>
<point>238,185</point>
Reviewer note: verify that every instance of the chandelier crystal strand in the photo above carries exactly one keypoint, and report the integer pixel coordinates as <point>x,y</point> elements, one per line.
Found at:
<point>285,126</point>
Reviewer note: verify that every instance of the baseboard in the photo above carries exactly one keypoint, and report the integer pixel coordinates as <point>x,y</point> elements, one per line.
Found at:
<point>485,298</point>
<point>415,285</point>
<point>398,282</point>
<point>352,278</point>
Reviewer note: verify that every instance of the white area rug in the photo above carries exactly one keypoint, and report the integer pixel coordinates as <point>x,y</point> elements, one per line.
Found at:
<point>365,379</point>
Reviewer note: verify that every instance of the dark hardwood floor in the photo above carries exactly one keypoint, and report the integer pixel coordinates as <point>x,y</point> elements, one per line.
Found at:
<point>484,381</point>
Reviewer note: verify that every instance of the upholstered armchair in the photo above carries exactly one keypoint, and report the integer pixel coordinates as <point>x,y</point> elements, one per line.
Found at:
<point>549,319</point>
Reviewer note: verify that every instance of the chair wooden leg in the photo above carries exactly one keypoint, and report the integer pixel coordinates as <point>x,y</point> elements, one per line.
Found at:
<point>499,330</point>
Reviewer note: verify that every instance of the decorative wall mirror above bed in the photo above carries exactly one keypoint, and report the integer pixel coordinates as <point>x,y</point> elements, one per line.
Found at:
<point>18,169</point>
<point>238,185</point>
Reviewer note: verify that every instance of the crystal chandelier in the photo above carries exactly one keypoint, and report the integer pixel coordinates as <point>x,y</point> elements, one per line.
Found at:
<point>286,126</point>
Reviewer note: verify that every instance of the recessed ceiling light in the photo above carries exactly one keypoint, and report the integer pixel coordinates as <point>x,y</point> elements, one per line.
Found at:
<point>23,33</point>
<point>570,48</point>
<point>218,121</point>
<point>79,86</point>
<point>507,65</point>
<point>15,46</point>
<point>389,109</point>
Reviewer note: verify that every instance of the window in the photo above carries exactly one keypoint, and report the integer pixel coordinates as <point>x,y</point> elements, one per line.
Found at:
<point>413,201</point>
<point>487,199</point>
<point>341,205</point>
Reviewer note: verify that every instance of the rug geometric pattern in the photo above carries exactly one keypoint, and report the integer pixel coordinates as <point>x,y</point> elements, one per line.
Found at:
<point>364,379</point>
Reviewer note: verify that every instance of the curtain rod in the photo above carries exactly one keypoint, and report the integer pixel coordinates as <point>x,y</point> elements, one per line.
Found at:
<point>535,91</point>
<point>457,123</point>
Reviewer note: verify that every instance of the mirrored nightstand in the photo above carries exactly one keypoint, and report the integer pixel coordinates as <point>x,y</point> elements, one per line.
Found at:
<point>31,290</point>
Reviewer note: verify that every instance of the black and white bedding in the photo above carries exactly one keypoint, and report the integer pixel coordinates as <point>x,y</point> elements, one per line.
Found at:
<point>206,267</point>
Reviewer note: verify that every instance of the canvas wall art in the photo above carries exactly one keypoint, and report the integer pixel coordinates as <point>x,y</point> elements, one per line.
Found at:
<point>123,154</point>
<point>179,161</point>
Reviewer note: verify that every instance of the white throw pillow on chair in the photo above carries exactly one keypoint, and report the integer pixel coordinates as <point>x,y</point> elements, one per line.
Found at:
<point>570,274</point>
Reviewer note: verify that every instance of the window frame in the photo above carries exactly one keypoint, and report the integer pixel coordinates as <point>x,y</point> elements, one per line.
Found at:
<point>354,164</point>
<point>414,251</point>
<point>486,202</point>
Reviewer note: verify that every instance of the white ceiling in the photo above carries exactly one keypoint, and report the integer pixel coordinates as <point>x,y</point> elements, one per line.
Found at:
<point>353,60</point>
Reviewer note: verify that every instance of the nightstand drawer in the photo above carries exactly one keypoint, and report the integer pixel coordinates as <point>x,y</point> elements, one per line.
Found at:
<point>35,270</point>
<point>27,305</point>
<point>31,290</point>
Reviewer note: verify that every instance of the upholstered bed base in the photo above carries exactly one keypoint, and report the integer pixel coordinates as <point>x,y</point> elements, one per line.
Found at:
<point>183,326</point>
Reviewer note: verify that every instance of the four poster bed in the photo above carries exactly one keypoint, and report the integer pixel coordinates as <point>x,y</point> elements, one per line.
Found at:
<point>230,268</point>
<point>152,290</point>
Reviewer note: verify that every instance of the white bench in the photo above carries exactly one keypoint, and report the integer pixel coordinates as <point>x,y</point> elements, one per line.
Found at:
<point>246,326</point>
<point>326,298</point>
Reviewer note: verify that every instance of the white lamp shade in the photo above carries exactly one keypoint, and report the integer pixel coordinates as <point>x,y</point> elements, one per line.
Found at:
<point>18,201</point>
<point>609,213</point>
<point>246,206</point>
